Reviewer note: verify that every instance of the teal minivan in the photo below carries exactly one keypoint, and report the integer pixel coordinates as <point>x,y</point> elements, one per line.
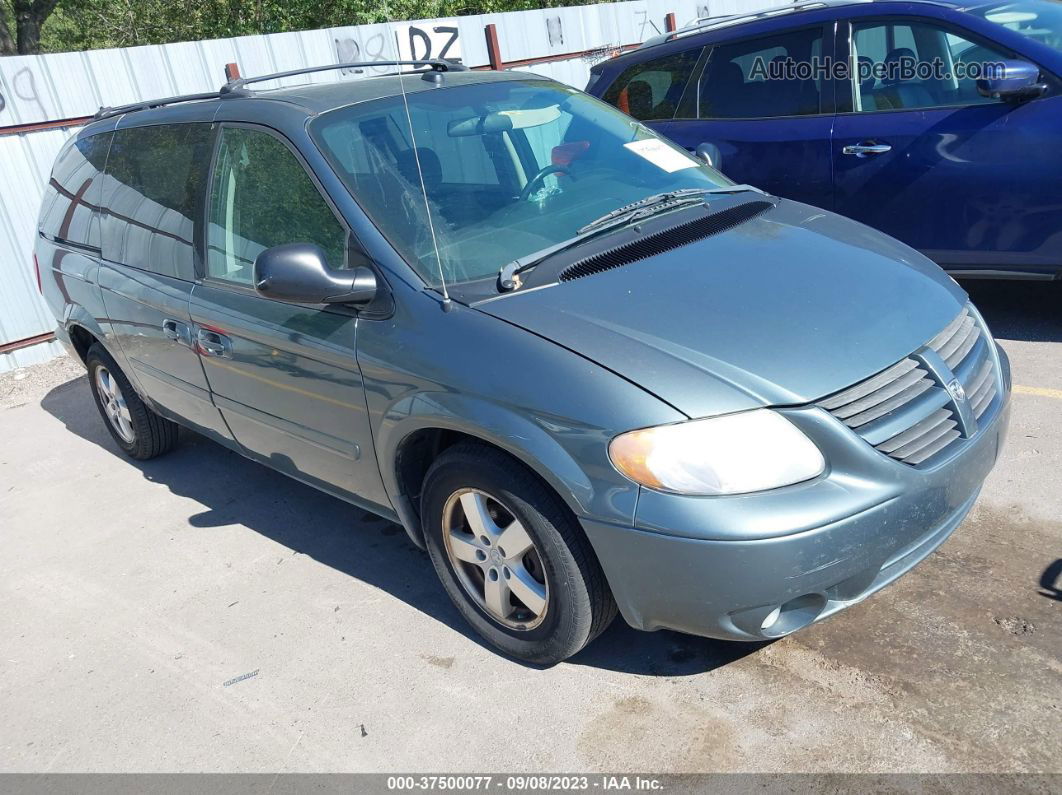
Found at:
<point>583,369</point>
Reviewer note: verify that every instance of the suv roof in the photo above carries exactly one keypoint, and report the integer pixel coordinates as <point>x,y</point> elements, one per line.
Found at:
<point>715,23</point>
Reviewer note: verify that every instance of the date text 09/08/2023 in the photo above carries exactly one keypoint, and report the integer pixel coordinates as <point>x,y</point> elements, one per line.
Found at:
<point>523,783</point>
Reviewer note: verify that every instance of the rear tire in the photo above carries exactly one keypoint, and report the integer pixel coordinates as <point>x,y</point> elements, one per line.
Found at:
<point>544,598</point>
<point>135,428</point>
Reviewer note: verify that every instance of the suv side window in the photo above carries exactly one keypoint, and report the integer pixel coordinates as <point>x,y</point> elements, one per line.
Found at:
<point>652,89</point>
<point>906,65</point>
<point>152,196</point>
<point>260,197</point>
<point>737,81</point>
<point>70,206</point>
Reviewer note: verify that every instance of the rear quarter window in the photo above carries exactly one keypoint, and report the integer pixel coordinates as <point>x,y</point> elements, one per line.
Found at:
<point>70,207</point>
<point>653,89</point>
<point>153,197</point>
<point>732,85</point>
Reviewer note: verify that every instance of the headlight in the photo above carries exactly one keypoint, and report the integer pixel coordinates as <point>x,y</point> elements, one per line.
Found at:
<point>732,454</point>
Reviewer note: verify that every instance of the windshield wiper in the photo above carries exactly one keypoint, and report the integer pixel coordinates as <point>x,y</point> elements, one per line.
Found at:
<point>650,205</point>
<point>509,271</point>
<point>618,217</point>
<point>664,201</point>
<point>649,202</point>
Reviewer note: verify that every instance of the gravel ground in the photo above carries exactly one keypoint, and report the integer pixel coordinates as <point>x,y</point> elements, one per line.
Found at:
<point>19,387</point>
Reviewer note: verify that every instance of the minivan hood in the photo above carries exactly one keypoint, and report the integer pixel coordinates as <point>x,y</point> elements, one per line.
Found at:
<point>785,309</point>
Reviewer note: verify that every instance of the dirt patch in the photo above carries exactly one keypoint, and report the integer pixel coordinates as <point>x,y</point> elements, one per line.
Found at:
<point>629,734</point>
<point>30,384</point>
<point>438,662</point>
<point>1015,625</point>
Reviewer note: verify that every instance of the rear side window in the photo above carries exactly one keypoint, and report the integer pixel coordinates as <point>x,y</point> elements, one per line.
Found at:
<point>70,208</point>
<point>653,89</point>
<point>152,196</point>
<point>260,197</point>
<point>759,78</point>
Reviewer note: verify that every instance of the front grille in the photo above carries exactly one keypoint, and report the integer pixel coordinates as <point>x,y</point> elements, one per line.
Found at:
<point>908,411</point>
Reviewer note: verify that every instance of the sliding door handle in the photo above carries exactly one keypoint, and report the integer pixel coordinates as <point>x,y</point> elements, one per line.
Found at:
<point>213,343</point>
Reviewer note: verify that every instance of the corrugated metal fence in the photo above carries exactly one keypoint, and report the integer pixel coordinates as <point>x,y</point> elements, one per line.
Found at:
<point>41,90</point>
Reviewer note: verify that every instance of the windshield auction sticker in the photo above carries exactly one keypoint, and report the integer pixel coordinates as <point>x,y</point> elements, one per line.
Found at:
<point>661,155</point>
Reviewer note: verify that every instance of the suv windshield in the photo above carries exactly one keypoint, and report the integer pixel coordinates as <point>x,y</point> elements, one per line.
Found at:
<point>1040,20</point>
<point>509,168</point>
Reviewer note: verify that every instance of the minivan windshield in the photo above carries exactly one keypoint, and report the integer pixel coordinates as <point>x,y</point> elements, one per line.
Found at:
<point>509,168</point>
<point>1040,20</point>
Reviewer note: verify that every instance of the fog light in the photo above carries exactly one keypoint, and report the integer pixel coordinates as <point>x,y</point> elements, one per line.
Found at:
<point>771,617</point>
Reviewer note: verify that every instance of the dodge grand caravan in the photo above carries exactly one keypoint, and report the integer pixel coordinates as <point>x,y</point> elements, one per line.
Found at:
<point>583,369</point>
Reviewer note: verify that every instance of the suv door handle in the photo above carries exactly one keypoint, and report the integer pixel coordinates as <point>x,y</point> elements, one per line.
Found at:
<point>866,148</point>
<point>213,343</point>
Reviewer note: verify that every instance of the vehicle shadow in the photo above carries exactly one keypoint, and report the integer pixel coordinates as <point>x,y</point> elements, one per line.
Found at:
<point>234,490</point>
<point>1019,310</point>
<point>661,653</point>
<point>1051,581</point>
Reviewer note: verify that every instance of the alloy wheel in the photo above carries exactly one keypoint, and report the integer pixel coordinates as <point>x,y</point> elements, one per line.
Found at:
<point>495,559</point>
<point>114,405</point>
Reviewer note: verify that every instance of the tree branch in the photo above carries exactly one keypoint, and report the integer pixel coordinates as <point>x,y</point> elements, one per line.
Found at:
<point>7,43</point>
<point>43,9</point>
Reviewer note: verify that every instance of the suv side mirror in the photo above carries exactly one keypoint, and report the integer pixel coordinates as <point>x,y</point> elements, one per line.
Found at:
<point>1011,80</point>
<point>297,273</point>
<point>711,155</point>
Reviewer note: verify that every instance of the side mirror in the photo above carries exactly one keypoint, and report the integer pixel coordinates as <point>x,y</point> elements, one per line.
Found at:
<point>298,274</point>
<point>1011,80</point>
<point>710,154</point>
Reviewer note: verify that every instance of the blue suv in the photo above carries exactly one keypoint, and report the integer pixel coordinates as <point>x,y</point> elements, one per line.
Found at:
<point>933,122</point>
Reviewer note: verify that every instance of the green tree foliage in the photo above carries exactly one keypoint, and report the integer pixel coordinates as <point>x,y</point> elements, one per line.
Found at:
<point>20,24</point>
<point>28,26</point>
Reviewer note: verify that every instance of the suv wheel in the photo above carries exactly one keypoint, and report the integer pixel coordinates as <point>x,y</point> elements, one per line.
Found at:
<point>139,431</point>
<point>511,556</point>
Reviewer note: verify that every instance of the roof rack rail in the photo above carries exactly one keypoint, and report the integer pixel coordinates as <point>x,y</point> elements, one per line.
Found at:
<point>238,87</point>
<point>702,24</point>
<point>118,110</point>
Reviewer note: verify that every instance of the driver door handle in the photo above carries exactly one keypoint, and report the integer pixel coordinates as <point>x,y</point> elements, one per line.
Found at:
<point>866,148</point>
<point>177,331</point>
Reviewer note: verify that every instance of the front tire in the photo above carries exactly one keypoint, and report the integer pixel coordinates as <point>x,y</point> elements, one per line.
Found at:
<point>139,431</point>
<point>511,556</point>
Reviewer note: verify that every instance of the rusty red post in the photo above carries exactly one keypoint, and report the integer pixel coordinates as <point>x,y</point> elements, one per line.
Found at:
<point>232,71</point>
<point>493,48</point>
<point>670,25</point>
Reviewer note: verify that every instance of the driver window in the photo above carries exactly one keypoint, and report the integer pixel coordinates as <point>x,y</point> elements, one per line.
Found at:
<point>261,197</point>
<point>914,65</point>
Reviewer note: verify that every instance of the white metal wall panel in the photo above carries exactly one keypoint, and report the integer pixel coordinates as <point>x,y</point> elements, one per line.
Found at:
<point>35,354</point>
<point>574,72</point>
<point>37,88</point>
<point>25,164</point>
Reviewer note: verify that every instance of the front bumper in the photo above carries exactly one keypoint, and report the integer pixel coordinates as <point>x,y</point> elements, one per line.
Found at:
<point>760,566</point>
